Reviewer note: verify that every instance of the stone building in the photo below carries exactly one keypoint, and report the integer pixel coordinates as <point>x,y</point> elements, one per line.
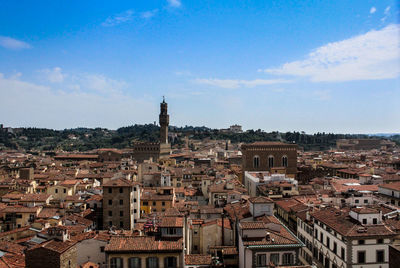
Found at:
<point>274,157</point>
<point>121,200</point>
<point>155,150</point>
<point>57,252</point>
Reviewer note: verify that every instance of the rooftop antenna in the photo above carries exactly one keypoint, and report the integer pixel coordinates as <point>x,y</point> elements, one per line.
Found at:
<point>163,97</point>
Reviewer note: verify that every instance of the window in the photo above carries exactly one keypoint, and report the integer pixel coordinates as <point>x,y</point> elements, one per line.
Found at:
<point>135,210</point>
<point>343,253</point>
<point>360,256</point>
<point>121,224</point>
<point>361,242</point>
<point>270,161</point>
<point>121,201</point>
<point>379,241</point>
<point>287,258</point>
<point>56,191</point>
<point>365,201</point>
<point>134,263</point>
<point>154,203</point>
<point>121,213</point>
<point>375,221</point>
<point>321,237</point>
<point>328,242</point>
<point>335,247</point>
<point>134,200</point>
<point>261,260</point>
<point>116,263</point>
<point>110,190</point>
<point>152,262</point>
<point>102,249</point>
<point>110,223</point>
<point>364,221</point>
<point>163,203</point>
<point>316,233</point>
<point>274,258</point>
<point>121,190</point>
<point>256,161</point>
<point>65,190</point>
<point>170,262</point>
<point>110,202</point>
<point>110,213</point>
<point>357,201</point>
<point>380,256</point>
<point>134,189</point>
<point>284,161</point>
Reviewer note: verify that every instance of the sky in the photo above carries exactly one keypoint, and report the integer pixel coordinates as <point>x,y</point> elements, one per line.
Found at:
<point>313,66</point>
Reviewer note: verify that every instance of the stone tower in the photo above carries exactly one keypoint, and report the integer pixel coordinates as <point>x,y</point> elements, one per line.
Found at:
<point>164,122</point>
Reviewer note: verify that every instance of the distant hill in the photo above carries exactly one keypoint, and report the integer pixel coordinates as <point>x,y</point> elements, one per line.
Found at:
<point>84,139</point>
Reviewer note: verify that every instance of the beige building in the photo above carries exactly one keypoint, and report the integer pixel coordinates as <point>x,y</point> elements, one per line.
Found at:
<point>121,200</point>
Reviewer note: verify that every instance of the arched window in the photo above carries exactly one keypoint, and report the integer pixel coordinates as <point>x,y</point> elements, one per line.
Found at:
<point>270,161</point>
<point>116,263</point>
<point>284,161</point>
<point>256,161</point>
<point>134,263</point>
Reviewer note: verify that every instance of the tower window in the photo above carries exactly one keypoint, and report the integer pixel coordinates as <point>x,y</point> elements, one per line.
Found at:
<point>270,161</point>
<point>256,161</point>
<point>284,161</point>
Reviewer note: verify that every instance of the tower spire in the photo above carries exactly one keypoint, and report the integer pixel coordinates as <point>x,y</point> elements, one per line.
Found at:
<point>164,122</point>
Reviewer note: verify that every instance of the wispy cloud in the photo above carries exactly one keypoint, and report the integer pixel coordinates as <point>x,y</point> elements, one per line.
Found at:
<point>174,3</point>
<point>11,43</point>
<point>149,14</point>
<point>386,13</point>
<point>372,10</point>
<point>123,17</point>
<point>235,83</point>
<point>370,56</point>
<point>54,75</point>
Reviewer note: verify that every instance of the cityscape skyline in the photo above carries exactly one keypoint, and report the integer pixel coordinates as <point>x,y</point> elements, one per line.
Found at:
<point>271,66</point>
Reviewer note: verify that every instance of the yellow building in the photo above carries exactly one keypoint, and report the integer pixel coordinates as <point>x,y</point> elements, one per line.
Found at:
<point>157,200</point>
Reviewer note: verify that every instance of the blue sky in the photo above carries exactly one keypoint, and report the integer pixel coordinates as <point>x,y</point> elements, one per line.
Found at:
<point>309,66</point>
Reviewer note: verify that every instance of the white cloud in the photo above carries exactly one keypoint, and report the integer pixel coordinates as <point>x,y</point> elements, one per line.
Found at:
<point>100,83</point>
<point>372,10</point>
<point>11,43</point>
<point>235,83</point>
<point>125,16</point>
<point>174,3</point>
<point>64,107</point>
<point>54,75</point>
<point>149,14</point>
<point>370,56</point>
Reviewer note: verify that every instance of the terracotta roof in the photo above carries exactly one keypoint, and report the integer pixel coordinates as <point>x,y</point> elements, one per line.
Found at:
<point>260,200</point>
<point>120,182</point>
<point>171,222</point>
<point>250,225</point>
<point>143,243</point>
<point>340,221</point>
<point>56,246</point>
<point>198,259</point>
<point>391,186</point>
